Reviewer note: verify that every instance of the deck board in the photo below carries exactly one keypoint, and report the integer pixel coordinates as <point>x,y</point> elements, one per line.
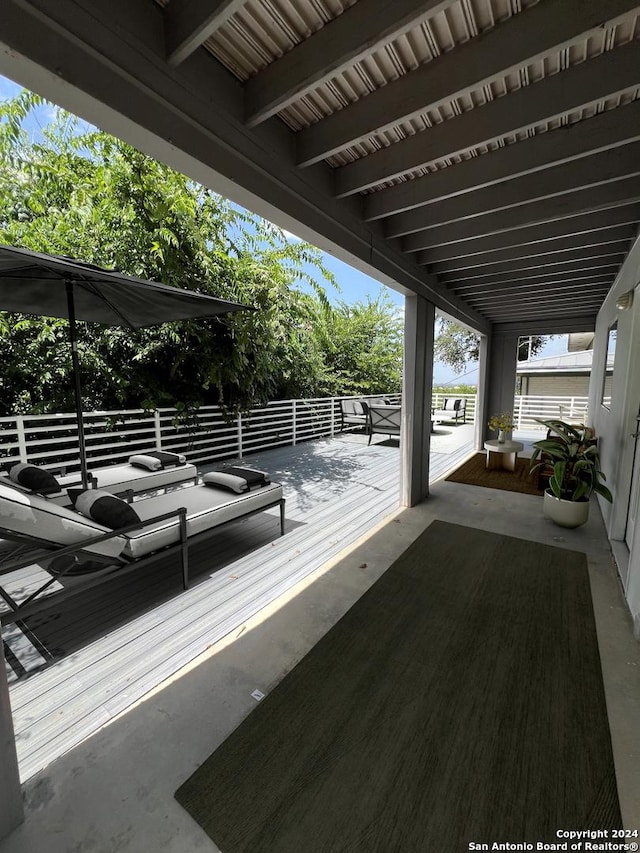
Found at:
<point>118,642</point>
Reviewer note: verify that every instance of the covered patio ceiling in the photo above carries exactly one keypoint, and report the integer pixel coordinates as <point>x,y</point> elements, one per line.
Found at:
<point>482,153</point>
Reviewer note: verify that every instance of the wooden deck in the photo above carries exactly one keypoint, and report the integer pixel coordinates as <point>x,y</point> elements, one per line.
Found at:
<point>94,655</point>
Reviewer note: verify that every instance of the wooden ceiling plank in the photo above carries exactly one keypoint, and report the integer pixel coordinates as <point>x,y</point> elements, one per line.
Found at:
<point>550,325</point>
<point>589,172</point>
<point>584,226</point>
<point>549,210</point>
<point>603,274</point>
<point>591,245</point>
<point>358,31</point>
<point>587,83</point>
<point>521,39</point>
<point>576,289</point>
<point>599,133</point>
<point>539,271</point>
<point>524,310</point>
<point>598,290</point>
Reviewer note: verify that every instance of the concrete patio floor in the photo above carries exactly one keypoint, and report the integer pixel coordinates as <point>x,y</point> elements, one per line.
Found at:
<point>114,792</point>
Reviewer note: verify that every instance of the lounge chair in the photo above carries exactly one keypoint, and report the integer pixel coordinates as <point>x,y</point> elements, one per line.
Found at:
<point>58,537</point>
<point>452,410</point>
<point>385,420</point>
<point>139,474</point>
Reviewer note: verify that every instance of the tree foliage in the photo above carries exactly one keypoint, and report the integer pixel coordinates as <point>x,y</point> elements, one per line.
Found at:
<point>364,345</point>
<point>79,192</point>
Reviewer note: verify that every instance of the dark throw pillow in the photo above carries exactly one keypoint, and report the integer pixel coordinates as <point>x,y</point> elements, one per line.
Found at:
<point>237,480</point>
<point>106,509</point>
<point>31,477</point>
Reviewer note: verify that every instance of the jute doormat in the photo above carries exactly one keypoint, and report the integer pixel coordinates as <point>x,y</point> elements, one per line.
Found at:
<point>460,699</point>
<point>474,472</point>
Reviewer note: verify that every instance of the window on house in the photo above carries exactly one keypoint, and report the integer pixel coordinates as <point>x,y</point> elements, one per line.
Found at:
<point>607,379</point>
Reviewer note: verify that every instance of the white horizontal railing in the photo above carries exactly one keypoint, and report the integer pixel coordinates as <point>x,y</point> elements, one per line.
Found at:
<point>113,436</point>
<point>529,409</point>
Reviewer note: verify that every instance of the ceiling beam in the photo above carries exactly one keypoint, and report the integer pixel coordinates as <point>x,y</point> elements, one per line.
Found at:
<point>548,326</point>
<point>589,136</point>
<point>532,309</point>
<point>552,97</point>
<point>545,271</point>
<point>529,309</point>
<point>357,32</point>
<point>567,178</point>
<point>578,289</point>
<point>582,226</point>
<point>536,212</point>
<point>189,23</point>
<point>511,312</point>
<point>467,289</point>
<point>522,38</point>
<point>593,244</point>
<point>575,288</point>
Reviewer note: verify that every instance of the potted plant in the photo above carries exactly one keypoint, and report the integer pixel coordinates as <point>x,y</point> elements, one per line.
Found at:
<point>573,458</point>
<point>503,424</point>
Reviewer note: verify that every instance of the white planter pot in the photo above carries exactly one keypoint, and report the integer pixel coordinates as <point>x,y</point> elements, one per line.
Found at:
<point>565,513</point>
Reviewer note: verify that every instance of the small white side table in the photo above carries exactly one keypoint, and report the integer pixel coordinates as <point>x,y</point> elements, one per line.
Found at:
<point>502,456</point>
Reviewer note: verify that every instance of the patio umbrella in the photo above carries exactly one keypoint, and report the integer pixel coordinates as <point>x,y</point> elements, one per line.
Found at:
<point>54,286</point>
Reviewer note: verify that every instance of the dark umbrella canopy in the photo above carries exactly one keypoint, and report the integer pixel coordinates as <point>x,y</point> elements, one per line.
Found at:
<point>53,286</point>
<point>33,283</point>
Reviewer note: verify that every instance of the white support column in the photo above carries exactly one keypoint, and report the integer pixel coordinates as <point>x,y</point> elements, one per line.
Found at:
<point>501,378</point>
<point>11,810</point>
<point>419,319</point>
<point>482,403</point>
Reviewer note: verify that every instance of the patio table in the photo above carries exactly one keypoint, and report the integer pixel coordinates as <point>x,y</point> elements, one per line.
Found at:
<point>502,455</point>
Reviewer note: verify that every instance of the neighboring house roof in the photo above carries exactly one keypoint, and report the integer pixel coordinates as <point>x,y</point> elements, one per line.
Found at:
<point>569,362</point>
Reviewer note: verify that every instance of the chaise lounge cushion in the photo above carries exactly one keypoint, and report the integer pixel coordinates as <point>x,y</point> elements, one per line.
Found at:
<point>105,508</point>
<point>31,515</point>
<point>33,477</point>
<point>120,478</point>
<point>206,506</point>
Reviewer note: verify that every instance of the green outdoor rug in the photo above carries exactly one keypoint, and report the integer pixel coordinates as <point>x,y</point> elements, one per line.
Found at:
<point>460,699</point>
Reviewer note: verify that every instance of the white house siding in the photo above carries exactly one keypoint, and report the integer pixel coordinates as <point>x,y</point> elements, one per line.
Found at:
<point>615,426</point>
<point>556,386</point>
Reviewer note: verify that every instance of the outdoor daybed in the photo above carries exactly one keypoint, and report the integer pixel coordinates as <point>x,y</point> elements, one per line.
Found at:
<point>61,537</point>
<point>143,472</point>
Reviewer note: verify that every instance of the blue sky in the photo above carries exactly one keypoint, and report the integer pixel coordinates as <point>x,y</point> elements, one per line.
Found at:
<point>354,285</point>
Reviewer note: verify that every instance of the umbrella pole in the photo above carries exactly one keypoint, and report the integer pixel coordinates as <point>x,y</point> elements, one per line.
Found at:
<point>76,379</point>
